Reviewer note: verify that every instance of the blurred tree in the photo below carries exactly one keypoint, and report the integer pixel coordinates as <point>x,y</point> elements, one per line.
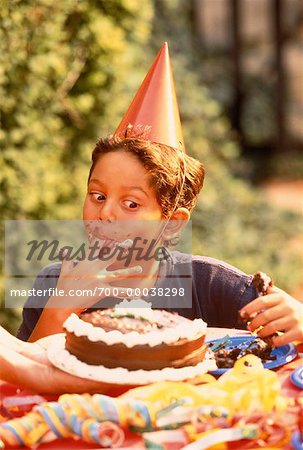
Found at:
<point>232,221</point>
<point>64,66</point>
<point>65,71</point>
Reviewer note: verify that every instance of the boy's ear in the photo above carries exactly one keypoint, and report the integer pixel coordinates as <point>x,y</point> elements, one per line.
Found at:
<point>176,223</point>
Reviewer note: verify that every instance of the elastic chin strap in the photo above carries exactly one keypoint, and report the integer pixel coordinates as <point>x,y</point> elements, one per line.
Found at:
<point>160,234</point>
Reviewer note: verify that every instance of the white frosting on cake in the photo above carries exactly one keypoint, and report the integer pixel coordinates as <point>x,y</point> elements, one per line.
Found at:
<point>186,330</point>
<point>137,308</point>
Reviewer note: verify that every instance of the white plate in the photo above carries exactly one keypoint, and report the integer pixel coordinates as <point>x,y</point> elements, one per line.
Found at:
<point>61,358</point>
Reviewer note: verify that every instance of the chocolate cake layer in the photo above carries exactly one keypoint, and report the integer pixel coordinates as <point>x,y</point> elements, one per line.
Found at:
<point>181,353</point>
<point>178,354</point>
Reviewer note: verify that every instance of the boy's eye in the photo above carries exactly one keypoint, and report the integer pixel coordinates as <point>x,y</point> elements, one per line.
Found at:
<point>98,196</point>
<point>131,204</point>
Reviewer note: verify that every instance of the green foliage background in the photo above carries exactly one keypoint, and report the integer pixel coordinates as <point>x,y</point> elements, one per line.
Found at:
<point>68,71</point>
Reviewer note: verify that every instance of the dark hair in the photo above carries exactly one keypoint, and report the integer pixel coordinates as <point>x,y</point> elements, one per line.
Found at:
<point>176,177</point>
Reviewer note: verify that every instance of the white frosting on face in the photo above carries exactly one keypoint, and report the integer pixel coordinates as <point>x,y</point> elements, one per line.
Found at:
<point>185,330</point>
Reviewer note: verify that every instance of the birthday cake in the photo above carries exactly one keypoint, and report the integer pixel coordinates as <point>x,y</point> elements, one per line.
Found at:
<point>135,338</point>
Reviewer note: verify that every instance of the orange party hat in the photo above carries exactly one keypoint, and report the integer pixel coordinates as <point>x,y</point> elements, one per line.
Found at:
<point>154,107</point>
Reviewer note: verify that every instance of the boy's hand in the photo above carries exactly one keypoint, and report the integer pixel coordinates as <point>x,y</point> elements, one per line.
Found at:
<point>92,278</point>
<point>82,286</point>
<point>276,311</point>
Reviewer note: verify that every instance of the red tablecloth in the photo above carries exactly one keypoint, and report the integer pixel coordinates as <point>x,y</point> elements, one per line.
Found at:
<point>133,441</point>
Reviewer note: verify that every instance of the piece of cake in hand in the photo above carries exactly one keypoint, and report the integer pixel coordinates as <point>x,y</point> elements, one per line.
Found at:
<point>262,283</point>
<point>135,338</point>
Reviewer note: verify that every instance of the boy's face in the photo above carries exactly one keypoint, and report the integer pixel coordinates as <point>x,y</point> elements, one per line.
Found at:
<point>119,190</point>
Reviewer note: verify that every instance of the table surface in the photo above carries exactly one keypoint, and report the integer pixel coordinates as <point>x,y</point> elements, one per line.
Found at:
<point>133,441</point>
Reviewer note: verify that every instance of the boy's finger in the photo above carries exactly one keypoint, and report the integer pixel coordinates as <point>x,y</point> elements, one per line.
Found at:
<point>106,253</point>
<point>123,292</point>
<point>280,324</point>
<point>109,254</point>
<point>260,303</point>
<point>97,244</point>
<point>120,273</point>
<point>286,338</point>
<point>119,292</point>
<point>264,317</point>
<point>109,291</point>
<point>102,256</point>
<point>67,264</point>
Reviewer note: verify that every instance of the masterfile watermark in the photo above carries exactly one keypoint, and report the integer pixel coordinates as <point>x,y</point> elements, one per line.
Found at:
<point>97,263</point>
<point>138,250</point>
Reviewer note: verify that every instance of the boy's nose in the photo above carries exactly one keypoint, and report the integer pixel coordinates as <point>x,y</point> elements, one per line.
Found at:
<point>107,212</point>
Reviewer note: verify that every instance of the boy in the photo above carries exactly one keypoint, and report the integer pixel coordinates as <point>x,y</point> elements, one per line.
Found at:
<point>142,173</point>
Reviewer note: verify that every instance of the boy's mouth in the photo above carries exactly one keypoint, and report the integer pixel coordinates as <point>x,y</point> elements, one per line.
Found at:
<point>109,237</point>
<point>110,242</point>
<point>103,237</point>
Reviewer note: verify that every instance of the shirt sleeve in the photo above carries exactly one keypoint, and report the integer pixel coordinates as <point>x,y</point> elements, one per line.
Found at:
<point>30,317</point>
<point>33,307</point>
<point>248,294</point>
<point>221,290</point>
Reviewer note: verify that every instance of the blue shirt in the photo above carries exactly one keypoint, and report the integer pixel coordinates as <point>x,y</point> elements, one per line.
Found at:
<point>219,291</point>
